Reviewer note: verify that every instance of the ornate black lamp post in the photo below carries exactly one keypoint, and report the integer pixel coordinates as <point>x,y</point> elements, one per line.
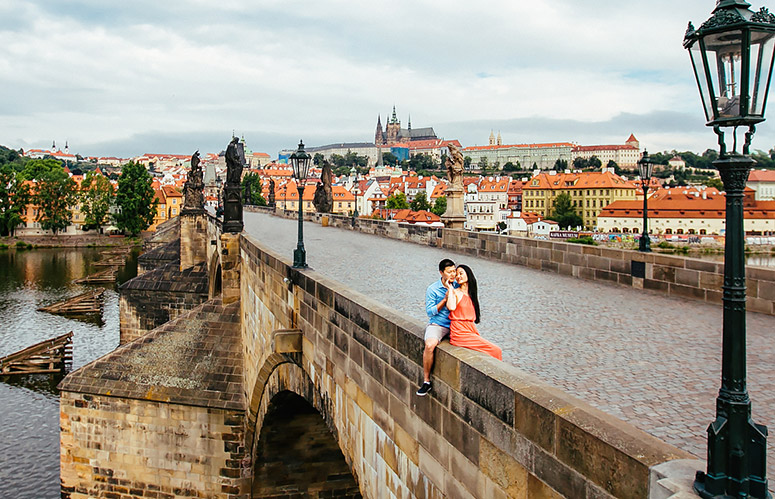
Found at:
<point>732,54</point>
<point>355,192</point>
<point>300,161</point>
<point>645,166</point>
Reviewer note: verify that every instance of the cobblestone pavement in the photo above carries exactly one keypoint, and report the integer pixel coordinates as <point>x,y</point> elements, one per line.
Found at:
<point>647,359</point>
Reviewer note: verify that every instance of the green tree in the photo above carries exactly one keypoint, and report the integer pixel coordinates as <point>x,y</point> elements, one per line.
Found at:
<point>594,162</point>
<point>579,163</point>
<point>36,169</point>
<point>440,206</point>
<point>12,158</point>
<point>14,198</point>
<point>467,162</point>
<point>396,201</point>
<point>561,164</point>
<point>96,198</point>
<point>564,214</point>
<point>420,202</point>
<point>337,160</point>
<point>135,199</point>
<point>422,162</point>
<point>509,167</point>
<point>389,158</point>
<point>318,159</point>
<point>483,164</point>
<point>251,190</point>
<point>715,182</point>
<point>56,194</point>
<point>615,166</point>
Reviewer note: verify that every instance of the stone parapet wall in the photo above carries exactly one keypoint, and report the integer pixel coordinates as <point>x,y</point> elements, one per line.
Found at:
<point>127,448</point>
<point>673,275</point>
<point>486,430</point>
<point>157,297</point>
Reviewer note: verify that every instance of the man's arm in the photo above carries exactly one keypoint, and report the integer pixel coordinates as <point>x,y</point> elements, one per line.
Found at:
<point>433,307</point>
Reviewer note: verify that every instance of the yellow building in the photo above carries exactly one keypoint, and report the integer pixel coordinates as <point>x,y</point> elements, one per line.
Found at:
<point>287,198</point>
<point>590,192</point>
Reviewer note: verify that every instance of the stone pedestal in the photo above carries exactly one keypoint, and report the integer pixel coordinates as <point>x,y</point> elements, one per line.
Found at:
<point>454,217</point>
<point>193,238</point>
<point>230,268</point>
<point>232,209</point>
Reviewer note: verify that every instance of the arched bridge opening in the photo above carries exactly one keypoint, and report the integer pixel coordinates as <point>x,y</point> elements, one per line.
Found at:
<point>297,455</point>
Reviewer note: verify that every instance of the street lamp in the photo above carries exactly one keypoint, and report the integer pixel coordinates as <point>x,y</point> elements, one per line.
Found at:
<point>732,54</point>
<point>645,166</point>
<point>300,160</point>
<point>356,191</point>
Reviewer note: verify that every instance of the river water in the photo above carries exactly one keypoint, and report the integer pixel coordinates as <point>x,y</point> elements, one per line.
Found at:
<point>29,405</point>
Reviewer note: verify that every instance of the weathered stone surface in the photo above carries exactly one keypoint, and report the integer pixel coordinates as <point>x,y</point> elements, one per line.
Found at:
<point>193,360</point>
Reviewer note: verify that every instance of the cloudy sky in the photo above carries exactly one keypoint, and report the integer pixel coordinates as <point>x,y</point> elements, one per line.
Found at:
<point>126,78</point>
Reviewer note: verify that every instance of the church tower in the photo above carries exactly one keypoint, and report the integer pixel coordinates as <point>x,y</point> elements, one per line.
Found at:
<point>379,136</point>
<point>393,128</point>
<point>500,140</point>
<point>492,138</point>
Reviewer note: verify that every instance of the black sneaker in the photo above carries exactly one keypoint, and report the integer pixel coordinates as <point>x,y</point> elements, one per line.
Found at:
<point>424,389</point>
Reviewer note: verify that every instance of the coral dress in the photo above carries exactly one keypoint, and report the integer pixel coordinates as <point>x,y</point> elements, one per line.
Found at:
<point>462,330</point>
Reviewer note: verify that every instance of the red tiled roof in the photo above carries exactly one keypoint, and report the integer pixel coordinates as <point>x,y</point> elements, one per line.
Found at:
<point>587,180</point>
<point>762,176</point>
<point>685,206</point>
<point>604,147</point>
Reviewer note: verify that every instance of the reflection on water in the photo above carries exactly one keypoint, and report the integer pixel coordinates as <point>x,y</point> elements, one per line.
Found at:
<point>751,259</point>
<point>29,415</point>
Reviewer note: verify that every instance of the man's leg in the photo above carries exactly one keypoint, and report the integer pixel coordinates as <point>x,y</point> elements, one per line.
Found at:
<point>427,358</point>
<point>433,335</point>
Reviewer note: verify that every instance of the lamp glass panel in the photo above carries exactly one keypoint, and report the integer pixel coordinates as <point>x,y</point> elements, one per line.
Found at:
<point>696,55</point>
<point>724,52</point>
<point>762,51</point>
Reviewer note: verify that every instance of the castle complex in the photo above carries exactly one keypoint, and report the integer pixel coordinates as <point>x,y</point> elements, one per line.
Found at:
<point>393,133</point>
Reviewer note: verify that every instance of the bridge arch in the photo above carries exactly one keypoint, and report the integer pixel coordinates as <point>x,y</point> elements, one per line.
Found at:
<point>294,440</point>
<point>214,279</point>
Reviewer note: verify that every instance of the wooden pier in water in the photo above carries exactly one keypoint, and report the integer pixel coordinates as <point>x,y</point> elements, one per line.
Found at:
<point>47,357</point>
<point>106,276</point>
<point>86,303</point>
<point>115,261</point>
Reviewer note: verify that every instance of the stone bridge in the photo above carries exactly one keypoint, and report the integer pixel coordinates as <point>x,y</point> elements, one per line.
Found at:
<point>239,376</point>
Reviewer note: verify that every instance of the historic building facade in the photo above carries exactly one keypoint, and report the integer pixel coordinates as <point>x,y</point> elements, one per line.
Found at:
<point>393,133</point>
<point>590,192</point>
<point>528,156</point>
<point>625,155</point>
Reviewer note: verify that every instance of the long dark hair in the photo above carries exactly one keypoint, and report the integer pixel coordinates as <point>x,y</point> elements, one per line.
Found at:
<point>473,290</point>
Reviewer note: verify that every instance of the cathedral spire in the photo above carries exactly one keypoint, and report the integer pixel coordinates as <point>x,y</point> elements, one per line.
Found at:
<point>395,118</point>
<point>379,136</point>
<point>410,122</point>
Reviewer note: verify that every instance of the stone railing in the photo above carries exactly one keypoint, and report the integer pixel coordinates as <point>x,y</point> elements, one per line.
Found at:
<point>673,275</point>
<point>488,429</point>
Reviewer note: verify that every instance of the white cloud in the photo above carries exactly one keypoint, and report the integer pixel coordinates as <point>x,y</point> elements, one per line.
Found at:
<point>94,73</point>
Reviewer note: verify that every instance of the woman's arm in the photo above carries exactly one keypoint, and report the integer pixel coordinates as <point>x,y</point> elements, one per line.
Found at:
<point>452,299</point>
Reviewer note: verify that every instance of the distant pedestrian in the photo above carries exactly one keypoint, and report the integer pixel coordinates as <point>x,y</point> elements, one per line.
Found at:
<point>463,304</point>
<point>438,319</point>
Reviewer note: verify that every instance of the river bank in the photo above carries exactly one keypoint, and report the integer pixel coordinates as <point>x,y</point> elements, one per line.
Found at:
<point>70,241</point>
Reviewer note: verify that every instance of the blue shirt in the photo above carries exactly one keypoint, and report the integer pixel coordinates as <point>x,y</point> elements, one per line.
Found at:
<point>433,296</point>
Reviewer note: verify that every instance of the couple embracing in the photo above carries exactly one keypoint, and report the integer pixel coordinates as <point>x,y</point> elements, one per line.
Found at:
<point>452,305</point>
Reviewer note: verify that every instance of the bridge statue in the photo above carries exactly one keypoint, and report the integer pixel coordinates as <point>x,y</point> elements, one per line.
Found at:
<point>193,190</point>
<point>454,217</point>
<point>324,198</point>
<point>232,202</point>
<point>271,193</point>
